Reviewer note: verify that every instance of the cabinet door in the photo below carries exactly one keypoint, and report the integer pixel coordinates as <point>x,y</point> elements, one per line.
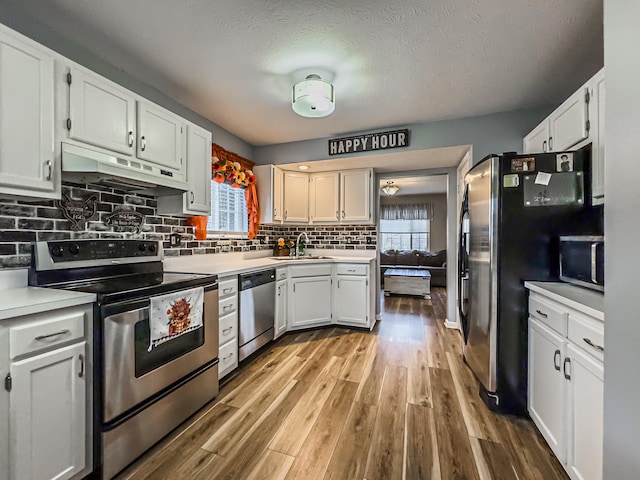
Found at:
<point>584,415</point>
<point>26,118</point>
<point>281,308</point>
<point>310,301</point>
<point>296,197</point>
<point>546,395</point>
<point>597,127</point>
<point>537,140</point>
<point>160,135</point>
<point>278,185</point>
<point>568,122</point>
<point>101,112</point>
<point>350,300</point>
<point>47,411</point>
<point>324,197</point>
<point>355,193</point>
<point>198,198</point>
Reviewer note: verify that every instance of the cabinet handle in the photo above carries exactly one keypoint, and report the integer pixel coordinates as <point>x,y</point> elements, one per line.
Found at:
<point>227,290</point>
<point>551,144</point>
<point>227,307</point>
<point>544,146</point>
<point>541,313</point>
<point>343,214</point>
<point>338,283</point>
<point>275,212</point>
<point>591,344</point>
<point>351,269</point>
<point>226,357</point>
<point>567,361</point>
<point>193,197</point>
<point>81,358</point>
<point>226,330</point>
<point>337,215</point>
<point>278,290</point>
<point>49,165</point>
<point>44,337</point>
<point>143,143</point>
<point>556,360</point>
<point>131,138</point>
<point>285,214</point>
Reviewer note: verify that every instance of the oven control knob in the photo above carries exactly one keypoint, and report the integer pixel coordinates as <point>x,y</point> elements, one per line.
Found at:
<point>142,247</point>
<point>57,251</point>
<point>152,248</point>
<point>74,248</point>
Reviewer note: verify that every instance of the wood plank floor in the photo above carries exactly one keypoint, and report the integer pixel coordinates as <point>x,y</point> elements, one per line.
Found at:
<point>395,403</point>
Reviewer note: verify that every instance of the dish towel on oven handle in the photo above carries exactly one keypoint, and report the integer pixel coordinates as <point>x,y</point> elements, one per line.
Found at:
<point>175,314</point>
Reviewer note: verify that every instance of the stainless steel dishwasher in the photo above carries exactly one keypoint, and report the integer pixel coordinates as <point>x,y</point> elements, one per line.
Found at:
<point>257,305</point>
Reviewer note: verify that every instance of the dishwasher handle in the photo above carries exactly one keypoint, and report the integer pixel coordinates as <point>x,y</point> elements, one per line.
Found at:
<point>255,279</point>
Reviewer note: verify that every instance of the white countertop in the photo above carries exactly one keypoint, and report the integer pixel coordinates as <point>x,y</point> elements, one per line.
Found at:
<point>19,301</point>
<point>223,264</point>
<point>584,300</point>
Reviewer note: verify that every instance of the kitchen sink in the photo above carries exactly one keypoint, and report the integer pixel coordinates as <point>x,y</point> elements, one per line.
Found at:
<point>306,257</point>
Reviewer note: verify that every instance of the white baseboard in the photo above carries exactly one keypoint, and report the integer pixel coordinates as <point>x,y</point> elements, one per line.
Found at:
<point>452,325</point>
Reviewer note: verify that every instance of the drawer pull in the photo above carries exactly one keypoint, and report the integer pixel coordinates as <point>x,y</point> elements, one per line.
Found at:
<point>227,290</point>
<point>227,307</point>
<point>226,357</point>
<point>40,338</point>
<point>556,360</point>
<point>351,269</point>
<point>541,313</point>
<point>591,344</point>
<point>226,330</point>
<point>567,361</point>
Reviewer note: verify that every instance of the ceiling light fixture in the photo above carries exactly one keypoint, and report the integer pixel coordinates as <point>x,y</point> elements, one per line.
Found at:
<point>303,167</point>
<point>390,188</point>
<point>313,97</point>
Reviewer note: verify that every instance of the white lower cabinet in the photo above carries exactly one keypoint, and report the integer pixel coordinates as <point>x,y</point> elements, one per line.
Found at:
<point>310,299</point>
<point>228,324</point>
<point>585,405</point>
<point>280,323</point>
<point>48,403</point>
<point>351,295</point>
<point>566,388</point>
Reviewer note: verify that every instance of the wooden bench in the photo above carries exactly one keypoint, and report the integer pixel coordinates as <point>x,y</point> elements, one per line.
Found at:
<point>405,281</point>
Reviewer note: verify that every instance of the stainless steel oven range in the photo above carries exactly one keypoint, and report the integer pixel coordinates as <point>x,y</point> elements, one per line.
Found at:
<point>142,389</point>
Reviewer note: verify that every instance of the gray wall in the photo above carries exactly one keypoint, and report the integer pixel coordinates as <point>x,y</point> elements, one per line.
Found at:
<point>622,318</point>
<point>12,17</point>
<point>438,232</point>
<point>496,133</point>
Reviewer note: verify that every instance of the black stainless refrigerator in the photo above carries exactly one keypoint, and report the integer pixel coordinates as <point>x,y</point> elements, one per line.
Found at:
<point>514,210</point>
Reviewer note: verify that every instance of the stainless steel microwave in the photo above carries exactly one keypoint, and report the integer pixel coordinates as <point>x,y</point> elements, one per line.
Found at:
<point>582,261</point>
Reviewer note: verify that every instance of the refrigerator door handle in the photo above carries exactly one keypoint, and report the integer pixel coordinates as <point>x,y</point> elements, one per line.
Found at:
<point>462,266</point>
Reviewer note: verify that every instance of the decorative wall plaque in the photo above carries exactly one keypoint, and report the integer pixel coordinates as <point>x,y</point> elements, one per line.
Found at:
<point>125,220</point>
<point>369,142</point>
<point>78,212</point>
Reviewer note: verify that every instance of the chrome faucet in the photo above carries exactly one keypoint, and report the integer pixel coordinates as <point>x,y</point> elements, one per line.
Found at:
<point>298,242</point>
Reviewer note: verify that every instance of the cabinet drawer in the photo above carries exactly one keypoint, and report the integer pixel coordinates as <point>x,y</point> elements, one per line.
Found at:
<point>351,269</point>
<point>588,334</point>
<point>228,358</point>
<point>549,313</point>
<point>310,270</point>
<point>227,287</point>
<point>30,337</point>
<point>227,305</point>
<point>228,327</point>
<point>281,273</point>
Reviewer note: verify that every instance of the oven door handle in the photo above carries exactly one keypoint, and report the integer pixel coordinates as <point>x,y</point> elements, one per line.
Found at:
<point>128,317</point>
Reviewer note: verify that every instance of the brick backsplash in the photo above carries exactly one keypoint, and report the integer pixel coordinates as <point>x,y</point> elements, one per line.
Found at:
<point>23,222</point>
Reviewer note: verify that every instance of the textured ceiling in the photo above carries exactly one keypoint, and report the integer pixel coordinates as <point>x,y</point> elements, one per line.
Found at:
<point>392,62</point>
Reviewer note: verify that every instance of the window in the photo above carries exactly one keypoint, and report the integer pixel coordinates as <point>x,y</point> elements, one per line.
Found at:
<point>228,211</point>
<point>404,234</point>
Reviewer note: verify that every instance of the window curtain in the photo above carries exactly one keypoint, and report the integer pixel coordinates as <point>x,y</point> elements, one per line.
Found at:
<point>231,168</point>
<point>421,211</point>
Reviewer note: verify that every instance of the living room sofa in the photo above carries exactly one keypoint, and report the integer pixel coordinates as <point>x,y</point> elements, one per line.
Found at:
<point>434,262</point>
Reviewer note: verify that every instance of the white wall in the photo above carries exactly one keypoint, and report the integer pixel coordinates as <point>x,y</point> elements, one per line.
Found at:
<point>622,253</point>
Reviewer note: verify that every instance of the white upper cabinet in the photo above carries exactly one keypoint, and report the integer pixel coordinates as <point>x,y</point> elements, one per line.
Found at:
<point>355,195</point>
<point>568,122</point>
<point>538,139</point>
<point>324,197</point>
<point>197,200</point>
<point>27,152</point>
<point>160,136</point>
<point>101,113</point>
<point>597,127</point>
<point>278,195</point>
<point>270,180</point>
<point>296,197</point>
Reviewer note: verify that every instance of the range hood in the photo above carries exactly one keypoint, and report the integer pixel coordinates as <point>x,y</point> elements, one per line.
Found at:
<point>85,165</point>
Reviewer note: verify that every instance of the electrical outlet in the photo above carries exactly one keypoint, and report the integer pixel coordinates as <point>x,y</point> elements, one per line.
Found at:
<point>174,240</point>
<point>266,239</point>
<point>368,240</point>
